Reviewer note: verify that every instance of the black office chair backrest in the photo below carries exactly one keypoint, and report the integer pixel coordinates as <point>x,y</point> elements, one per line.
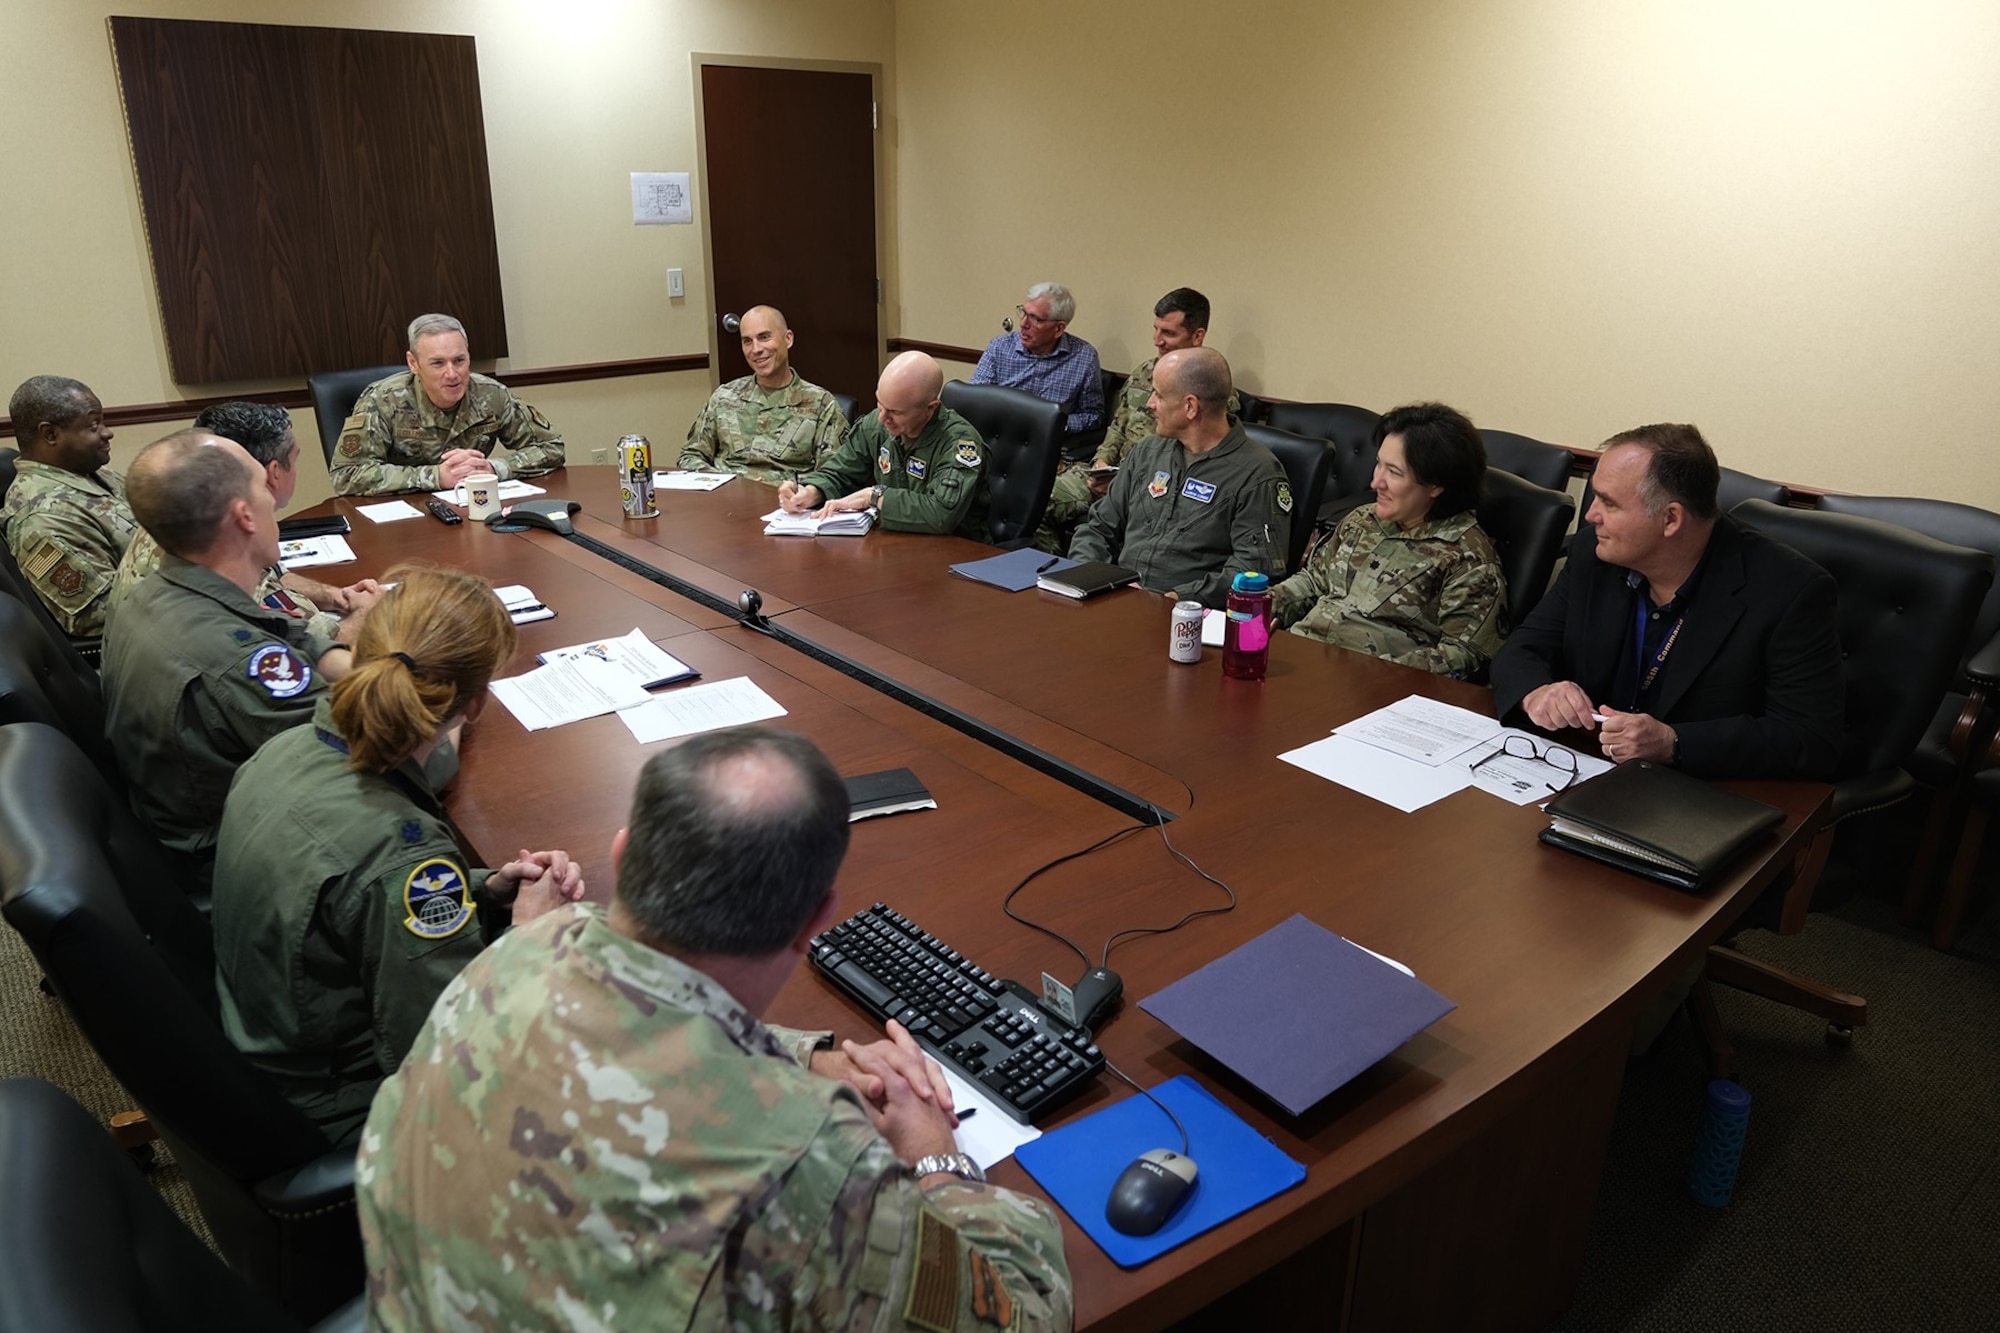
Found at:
<point>1352,431</point>
<point>333,394</point>
<point>1529,459</point>
<point>1113,384</point>
<point>132,960</point>
<point>1308,463</point>
<point>1948,521</point>
<point>1732,489</point>
<point>1528,524</point>
<point>1907,603</point>
<point>7,458</point>
<point>37,684</point>
<point>87,1244</point>
<point>1250,409</point>
<point>849,408</point>
<point>1023,437</point>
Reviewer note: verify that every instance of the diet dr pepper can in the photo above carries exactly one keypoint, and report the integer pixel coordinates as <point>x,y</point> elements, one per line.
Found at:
<point>1184,640</point>
<point>635,477</point>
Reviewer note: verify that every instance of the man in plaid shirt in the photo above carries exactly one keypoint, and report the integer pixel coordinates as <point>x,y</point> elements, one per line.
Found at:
<point>1046,360</point>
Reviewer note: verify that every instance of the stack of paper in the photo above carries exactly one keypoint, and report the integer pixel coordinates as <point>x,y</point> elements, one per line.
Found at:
<point>305,552</point>
<point>1418,750</point>
<point>522,604</point>
<point>725,703</point>
<point>389,511</point>
<point>568,690</point>
<point>634,655</point>
<point>819,523</point>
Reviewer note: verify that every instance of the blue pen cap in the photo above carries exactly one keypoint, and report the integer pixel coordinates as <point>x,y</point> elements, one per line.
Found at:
<point>1250,581</point>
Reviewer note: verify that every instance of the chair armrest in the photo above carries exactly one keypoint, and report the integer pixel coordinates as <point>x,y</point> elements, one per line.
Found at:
<point>324,1183</point>
<point>1984,668</point>
<point>1870,791</point>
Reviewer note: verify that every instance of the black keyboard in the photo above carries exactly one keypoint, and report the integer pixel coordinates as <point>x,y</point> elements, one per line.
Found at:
<point>990,1032</point>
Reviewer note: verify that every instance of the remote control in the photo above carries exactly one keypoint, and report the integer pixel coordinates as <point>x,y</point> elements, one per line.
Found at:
<point>443,512</point>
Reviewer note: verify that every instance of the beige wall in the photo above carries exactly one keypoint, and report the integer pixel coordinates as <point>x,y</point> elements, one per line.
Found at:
<point>576,96</point>
<point>1774,219</point>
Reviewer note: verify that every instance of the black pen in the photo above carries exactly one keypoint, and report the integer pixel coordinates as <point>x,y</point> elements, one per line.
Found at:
<point>1048,564</point>
<point>967,1114</point>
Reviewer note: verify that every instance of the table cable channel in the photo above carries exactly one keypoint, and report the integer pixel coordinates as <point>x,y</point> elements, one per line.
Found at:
<point>749,616</point>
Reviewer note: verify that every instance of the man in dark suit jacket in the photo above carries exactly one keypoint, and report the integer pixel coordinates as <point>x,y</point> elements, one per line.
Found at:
<point>1677,635</point>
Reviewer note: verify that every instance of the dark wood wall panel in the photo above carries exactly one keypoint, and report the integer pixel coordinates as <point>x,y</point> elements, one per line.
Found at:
<point>306,191</point>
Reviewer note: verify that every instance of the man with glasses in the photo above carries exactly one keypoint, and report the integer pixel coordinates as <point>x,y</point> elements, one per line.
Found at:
<point>917,463</point>
<point>1048,361</point>
<point>1676,635</point>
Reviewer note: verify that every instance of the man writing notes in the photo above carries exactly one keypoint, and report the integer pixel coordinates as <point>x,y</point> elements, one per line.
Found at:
<point>439,423</point>
<point>1046,360</point>
<point>771,424</point>
<point>1676,635</point>
<point>596,1129</point>
<point>1199,502</point>
<point>918,463</point>
<point>66,518</point>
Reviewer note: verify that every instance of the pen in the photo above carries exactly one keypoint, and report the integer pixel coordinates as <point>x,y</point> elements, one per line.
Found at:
<point>967,1114</point>
<point>1048,564</point>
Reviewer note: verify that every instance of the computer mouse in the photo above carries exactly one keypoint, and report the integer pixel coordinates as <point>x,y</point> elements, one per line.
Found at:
<point>550,514</point>
<point>1149,1192</point>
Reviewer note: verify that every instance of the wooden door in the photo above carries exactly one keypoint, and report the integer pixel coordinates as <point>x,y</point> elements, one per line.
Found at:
<point>790,162</point>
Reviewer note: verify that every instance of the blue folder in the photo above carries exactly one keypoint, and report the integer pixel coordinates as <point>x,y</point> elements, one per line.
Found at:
<point>1016,571</point>
<point>1238,1168</point>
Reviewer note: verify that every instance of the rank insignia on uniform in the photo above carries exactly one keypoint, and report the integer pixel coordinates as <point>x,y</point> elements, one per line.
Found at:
<point>1157,487</point>
<point>968,454</point>
<point>278,669</point>
<point>412,831</point>
<point>1204,491</point>
<point>1284,497</point>
<point>916,467</point>
<point>242,636</point>
<point>437,899</point>
<point>882,459</point>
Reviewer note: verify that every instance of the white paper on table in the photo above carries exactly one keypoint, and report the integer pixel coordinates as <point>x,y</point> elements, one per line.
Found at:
<point>691,481</point>
<point>991,1136</point>
<point>1389,778</point>
<point>305,552</point>
<point>778,523</point>
<point>1524,781</point>
<point>634,655</point>
<point>568,690</point>
<point>1421,729</point>
<point>509,490</point>
<point>1212,622</point>
<point>696,708</point>
<point>391,511</point>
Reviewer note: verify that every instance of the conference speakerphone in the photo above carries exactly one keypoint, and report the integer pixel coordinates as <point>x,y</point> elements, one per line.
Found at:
<point>989,1031</point>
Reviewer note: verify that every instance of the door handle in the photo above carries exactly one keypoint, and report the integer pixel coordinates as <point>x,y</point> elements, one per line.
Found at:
<point>731,324</point>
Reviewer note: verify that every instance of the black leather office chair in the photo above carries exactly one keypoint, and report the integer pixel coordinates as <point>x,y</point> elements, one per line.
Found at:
<point>1352,432</point>
<point>1023,437</point>
<point>37,684</point>
<point>1907,602</point>
<point>1308,463</point>
<point>1731,490</point>
<point>1113,384</point>
<point>86,1245</point>
<point>1956,733</point>
<point>1982,794</point>
<point>849,408</point>
<point>131,958</point>
<point>1528,525</point>
<point>1527,458</point>
<point>7,458</point>
<point>333,394</point>
<point>1250,409</point>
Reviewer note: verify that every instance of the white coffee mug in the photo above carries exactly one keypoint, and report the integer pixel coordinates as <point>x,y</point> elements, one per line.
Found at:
<point>480,494</point>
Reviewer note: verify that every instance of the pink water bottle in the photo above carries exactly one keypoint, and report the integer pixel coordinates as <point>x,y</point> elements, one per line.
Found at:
<point>1246,637</point>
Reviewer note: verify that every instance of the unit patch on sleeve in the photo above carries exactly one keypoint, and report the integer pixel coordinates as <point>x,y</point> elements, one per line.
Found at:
<point>278,669</point>
<point>437,900</point>
<point>968,454</point>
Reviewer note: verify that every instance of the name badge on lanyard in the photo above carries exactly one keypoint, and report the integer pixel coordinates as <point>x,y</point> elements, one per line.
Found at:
<point>1646,674</point>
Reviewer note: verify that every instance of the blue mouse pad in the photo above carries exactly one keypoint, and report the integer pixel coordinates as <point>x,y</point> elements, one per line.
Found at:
<point>1238,1167</point>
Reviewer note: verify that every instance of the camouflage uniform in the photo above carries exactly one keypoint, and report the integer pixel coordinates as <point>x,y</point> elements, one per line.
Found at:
<point>67,532</point>
<point>934,483</point>
<point>770,434</point>
<point>1433,597</point>
<point>395,436</point>
<point>1131,424</point>
<point>196,677</point>
<point>342,907</point>
<point>589,1134</point>
<point>142,557</point>
<point>1188,522</point>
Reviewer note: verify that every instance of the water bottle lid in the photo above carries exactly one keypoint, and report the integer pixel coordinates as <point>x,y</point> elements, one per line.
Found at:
<point>1724,1095</point>
<point>1250,581</point>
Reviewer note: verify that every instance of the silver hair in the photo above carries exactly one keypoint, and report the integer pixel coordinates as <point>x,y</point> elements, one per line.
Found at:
<point>426,324</point>
<point>1061,304</point>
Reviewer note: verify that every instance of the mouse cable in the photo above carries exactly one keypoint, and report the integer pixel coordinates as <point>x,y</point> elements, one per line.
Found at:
<point>1007,903</point>
<point>1104,959</point>
<point>1155,1101</point>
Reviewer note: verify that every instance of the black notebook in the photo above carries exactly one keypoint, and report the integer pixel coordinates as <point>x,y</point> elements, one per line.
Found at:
<point>890,792</point>
<point>1657,822</point>
<point>328,525</point>
<point>1086,580</point>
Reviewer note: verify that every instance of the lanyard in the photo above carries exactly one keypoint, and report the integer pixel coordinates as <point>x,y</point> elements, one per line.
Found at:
<point>1646,676</point>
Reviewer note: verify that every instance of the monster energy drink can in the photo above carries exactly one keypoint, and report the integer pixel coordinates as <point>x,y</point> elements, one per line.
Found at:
<point>1184,640</point>
<point>635,477</point>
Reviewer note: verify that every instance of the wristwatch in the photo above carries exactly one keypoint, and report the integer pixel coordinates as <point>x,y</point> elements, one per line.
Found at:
<point>875,498</point>
<point>955,1163</point>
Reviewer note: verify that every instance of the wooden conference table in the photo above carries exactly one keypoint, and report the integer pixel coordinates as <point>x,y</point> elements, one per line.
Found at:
<point>1449,1186</point>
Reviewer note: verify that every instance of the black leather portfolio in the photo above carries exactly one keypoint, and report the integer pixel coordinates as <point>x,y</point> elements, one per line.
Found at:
<point>1657,822</point>
<point>889,792</point>
<point>1086,580</point>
